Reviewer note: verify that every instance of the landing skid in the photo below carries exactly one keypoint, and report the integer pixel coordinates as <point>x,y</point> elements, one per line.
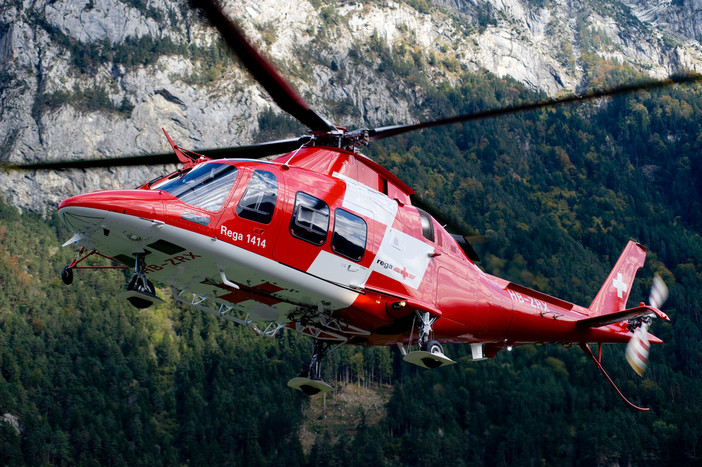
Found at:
<point>310,380</point>
<point>431,353</point>
<point>427,360</point>
<point>309,386</point>
<point>140,299</point>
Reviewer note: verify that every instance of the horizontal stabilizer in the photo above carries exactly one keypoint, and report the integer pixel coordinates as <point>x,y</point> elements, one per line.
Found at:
<point>624,315</point>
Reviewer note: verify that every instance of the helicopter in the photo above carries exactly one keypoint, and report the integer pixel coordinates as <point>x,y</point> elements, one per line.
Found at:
<point>324,241</point>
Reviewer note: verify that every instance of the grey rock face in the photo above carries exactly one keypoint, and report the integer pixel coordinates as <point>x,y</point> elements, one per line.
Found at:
<point>100,78</point>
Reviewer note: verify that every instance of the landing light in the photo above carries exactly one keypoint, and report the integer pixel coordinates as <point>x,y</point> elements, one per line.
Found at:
<point>398,305</point>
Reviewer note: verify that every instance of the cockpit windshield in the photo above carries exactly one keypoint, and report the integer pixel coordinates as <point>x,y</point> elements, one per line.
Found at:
<point>205,186</point>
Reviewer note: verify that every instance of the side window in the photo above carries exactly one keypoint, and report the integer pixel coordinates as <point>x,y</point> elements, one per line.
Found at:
<point>258,202</point>
<point>310,220</point>
<point>349,237</point>
<point>427,225</point>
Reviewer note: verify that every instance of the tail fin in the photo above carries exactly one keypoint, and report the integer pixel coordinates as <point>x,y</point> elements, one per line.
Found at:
<point>615,291</point>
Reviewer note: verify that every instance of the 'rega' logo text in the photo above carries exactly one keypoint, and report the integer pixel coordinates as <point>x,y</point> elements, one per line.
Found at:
<point>225,232</point>
<point>384,265</point>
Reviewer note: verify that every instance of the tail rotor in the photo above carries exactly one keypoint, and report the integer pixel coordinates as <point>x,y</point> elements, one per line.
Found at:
<point>638,348</point>
<point>659,292</point>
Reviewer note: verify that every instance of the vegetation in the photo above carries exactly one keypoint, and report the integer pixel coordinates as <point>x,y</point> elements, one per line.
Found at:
<point>84,100</point>
<point>274,125</point>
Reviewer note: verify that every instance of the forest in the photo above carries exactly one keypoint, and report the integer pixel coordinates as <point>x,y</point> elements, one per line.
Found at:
<point>85,379</point>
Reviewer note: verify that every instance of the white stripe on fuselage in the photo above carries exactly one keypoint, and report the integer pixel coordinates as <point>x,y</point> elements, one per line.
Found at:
<point>371,204</point>
<point>403,258</point>
<point>368,202</point>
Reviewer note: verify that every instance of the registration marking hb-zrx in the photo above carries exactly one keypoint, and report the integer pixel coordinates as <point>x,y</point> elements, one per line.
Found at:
<point>172,261</point>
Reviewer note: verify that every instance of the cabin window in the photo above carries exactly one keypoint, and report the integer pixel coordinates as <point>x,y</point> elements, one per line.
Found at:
<point>427,225</point>
<point>310,220</point>
<point>205,186</point>
<point>258,203</point>
<point>349,237</point>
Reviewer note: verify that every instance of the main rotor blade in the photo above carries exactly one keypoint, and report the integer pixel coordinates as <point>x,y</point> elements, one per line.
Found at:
<point>262,70</point>
<point>127,161</point>
<point>254,151</point>
<point>385,132</point>
<point>257,151</point>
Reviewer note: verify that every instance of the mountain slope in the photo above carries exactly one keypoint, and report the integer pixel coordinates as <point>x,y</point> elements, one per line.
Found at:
<point>100,78</point>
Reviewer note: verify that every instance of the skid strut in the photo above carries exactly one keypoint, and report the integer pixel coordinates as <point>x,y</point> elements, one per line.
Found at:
<point>310,380</point>
<point>140,291</point>
<point>67,273</point>
<point>430,353</point>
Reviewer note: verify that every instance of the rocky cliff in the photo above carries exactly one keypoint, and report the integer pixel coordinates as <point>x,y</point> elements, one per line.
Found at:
<point>84,78</point>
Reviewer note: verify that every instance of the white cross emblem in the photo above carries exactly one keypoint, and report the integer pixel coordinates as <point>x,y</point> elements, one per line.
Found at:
<point>619,284</point>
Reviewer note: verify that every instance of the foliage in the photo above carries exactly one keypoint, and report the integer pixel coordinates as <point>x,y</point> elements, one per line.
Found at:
<point>92,380</point>
<point>278,125</point>
<point>88,100</point>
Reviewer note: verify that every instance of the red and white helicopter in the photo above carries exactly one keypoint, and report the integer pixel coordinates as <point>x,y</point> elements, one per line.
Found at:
<point>327,242</point>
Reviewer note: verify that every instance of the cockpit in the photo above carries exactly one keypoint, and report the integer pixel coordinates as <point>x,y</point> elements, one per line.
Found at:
<point>205,186</point>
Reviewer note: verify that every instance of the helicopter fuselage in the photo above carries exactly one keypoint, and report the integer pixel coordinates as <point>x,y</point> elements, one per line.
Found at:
<point>332,249</point>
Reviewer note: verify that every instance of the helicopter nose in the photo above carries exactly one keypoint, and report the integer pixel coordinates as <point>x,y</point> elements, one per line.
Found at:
<point>80,219</point>
<point>87,212</point>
